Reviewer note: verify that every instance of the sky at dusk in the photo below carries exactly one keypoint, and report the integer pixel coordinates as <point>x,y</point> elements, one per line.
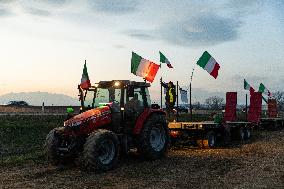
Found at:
<point>43,44</point>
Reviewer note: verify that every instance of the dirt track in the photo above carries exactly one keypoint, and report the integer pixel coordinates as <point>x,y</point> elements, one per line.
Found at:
<point>259,164</point>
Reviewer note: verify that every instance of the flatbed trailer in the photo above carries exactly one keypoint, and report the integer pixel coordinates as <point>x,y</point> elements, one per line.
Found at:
<point>209,134</point>
<point>272,123</point>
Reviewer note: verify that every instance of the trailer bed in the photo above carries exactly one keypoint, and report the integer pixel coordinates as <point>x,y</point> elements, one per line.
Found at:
<point>193,125</point>
<point>272,123</point>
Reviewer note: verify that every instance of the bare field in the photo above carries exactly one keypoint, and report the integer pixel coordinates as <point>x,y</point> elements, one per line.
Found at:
<point>258,164</point>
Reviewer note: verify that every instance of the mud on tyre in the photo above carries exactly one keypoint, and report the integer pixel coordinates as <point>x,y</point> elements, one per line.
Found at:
<point>50,147</point>
<point>100,151</point>
<point>154,138</point>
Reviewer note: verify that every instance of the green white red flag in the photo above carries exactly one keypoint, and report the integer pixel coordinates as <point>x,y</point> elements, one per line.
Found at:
<point>143,68</point>
<point>85,81</point>
<point>248,87</point>
<point>164,59</point>
<point>208,63</point>
<point>264,90</point>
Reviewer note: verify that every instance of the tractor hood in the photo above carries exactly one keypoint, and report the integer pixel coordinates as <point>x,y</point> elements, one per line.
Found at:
<point>93,116</point>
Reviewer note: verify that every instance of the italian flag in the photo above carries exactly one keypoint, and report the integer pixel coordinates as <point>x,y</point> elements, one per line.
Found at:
<point>163,59</point>
<point>85,81</point>
<point>248,87</point>
<point>208,63</point>
<point>143,68</point>
<point>264,90</point>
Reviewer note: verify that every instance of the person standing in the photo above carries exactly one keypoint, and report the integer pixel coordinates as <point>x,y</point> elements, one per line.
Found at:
<point>170,96</point>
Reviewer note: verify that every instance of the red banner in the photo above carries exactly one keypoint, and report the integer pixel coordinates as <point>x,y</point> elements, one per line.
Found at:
<point>255,107</point>
<point>231,106</point>
<point>272,108</point>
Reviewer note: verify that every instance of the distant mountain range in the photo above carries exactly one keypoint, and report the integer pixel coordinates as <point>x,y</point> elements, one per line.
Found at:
<point>37,98</point>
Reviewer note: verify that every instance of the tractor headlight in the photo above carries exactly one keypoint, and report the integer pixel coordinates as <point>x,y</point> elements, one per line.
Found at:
<point>117,83</point>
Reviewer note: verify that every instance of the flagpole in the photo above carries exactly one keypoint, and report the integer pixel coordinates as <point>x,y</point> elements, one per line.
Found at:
<point>190,104</point>
<point>177,88</point>
<point>161,92</point>
<point>246,107</point>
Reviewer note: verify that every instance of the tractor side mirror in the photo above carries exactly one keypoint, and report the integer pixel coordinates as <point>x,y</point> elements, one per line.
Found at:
<point>130,91</point>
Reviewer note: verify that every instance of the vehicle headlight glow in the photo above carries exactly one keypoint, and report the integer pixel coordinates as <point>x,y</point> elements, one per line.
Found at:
<point>117,83</point>
<point>96,85</point>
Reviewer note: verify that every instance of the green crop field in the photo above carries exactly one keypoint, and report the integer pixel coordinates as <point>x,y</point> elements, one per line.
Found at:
<point>22,137</point>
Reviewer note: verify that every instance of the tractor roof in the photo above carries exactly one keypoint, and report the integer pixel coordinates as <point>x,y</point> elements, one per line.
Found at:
<point>121,84</point>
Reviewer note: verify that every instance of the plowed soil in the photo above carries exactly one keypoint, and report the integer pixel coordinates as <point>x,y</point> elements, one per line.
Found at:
<point>256,164</point>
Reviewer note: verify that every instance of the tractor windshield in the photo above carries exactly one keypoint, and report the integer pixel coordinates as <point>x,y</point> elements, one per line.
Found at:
<point>101,97</point>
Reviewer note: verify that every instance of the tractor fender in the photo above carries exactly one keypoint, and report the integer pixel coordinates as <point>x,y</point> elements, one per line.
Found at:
<point>143,117</point>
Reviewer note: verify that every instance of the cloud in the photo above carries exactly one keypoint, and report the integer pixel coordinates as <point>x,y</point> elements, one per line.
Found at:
<point>118,46</point>
<point>250,78</point>
<point>38,12</point>
<point>55,2</point>
<point>114,6</point>
<point>6,1</point>
<point>5,12</point>
<point>202,30</point>
<point>140,34</point>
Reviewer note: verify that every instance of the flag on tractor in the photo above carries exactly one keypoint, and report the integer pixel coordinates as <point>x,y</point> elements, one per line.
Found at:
<point>85,81</point>
<point>264,90</point>
<point>183,95</point>
<point>248,87</point>
<point>164,59</point>
<point>208,63</point>
<point>143,68</point>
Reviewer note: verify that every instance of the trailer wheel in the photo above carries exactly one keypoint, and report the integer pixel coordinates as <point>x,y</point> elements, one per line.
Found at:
<point>248,133</point>
<point>276,125</point>
<point>100,150</point>
<point>154,138</point>
<point>241,134</point>
<point>210,140</point>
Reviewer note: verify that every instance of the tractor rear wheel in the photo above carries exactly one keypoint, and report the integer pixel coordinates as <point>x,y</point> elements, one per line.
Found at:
<point>50,147</point>
<point>100,150</point>
<point>154,138</point>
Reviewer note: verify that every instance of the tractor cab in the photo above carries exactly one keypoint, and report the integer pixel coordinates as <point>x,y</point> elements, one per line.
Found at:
<point>116,94</point>
<point>127,100</point>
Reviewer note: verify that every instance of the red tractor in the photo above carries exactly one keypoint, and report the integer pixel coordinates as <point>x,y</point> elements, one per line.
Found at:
<point>115,116</point>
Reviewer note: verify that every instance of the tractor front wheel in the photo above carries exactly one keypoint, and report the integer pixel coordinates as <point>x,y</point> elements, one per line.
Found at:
<point>50,147</point>
<point>154,138</point>
<point>101,150</point>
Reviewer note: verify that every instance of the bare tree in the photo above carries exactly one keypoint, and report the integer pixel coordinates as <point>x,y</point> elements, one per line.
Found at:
<point>214,102</point>
<point>279,96</point>
<point>197,105</point>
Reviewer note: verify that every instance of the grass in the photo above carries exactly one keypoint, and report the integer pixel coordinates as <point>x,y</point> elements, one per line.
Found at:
<point>22,137</point>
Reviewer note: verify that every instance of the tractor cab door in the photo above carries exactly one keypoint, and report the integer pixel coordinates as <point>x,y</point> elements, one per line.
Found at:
<point>137,99</point>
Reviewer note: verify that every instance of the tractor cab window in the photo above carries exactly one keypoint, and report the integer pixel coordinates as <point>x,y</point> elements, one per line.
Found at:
<point>148,99</point>
<point>88,97</point>
<point>101,97</point>
<point>104,96</point>
<point>140,100</point>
